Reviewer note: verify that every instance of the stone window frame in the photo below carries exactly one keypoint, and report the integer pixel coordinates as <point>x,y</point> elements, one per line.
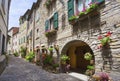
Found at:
<point>51,20</point>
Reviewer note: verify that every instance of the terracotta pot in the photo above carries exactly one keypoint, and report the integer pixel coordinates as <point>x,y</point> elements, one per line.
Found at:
<point>92,62</point>
<point>96,77</point>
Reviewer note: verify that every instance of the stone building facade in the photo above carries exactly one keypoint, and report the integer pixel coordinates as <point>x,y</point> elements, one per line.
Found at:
<point>52,27</point>
<point>82,37</point>
<point>16,41</point>
<point>4,16</point>
<point>13,44</point>
<point>23,31</point>
<point>31,29</point>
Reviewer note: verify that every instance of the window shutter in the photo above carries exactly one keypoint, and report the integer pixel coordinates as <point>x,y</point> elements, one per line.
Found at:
<point>93,0</point>
<point>99,1</point>
<point>56,20</point>
<point>46,25</point>
<point>70,8</point>
<point>19,41</point>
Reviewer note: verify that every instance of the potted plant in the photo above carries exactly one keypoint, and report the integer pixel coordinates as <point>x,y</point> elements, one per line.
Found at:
<point>73,19</point>
<point>88,56</point>
<point>104,40</point>
<point>64,58</point>
<point>30,56</point>
<point>102,76</point>
<point>50,32</point>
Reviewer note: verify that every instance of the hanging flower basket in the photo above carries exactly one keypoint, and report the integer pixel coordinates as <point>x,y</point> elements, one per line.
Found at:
<point>104,40</point>
<point>64,58</point>
<point>73,19</point>
<point>88,56</point>
<point>50,32</point>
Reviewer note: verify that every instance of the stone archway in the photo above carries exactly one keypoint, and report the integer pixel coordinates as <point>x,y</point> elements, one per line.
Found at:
<point>76,50</point>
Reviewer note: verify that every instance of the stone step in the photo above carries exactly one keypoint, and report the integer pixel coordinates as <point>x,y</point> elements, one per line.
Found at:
<point>79,76</point>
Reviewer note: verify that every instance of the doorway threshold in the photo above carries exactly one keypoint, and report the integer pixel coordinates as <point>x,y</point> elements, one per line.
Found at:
<point>79,76</point>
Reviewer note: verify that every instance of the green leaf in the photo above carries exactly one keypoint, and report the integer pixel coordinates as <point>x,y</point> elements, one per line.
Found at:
<point>90,67</point>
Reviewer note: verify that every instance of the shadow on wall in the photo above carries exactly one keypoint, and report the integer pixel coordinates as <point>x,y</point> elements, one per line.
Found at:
<point>90,24</point>
<point>3,63</point>
<point>107,57</point>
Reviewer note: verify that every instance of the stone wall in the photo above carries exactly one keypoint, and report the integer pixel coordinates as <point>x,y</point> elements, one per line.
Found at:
<point>88,31</point>
<point>2,63</point>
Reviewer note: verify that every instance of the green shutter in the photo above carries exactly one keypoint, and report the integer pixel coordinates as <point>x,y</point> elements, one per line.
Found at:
<point>56,20</point>
<point>70,8</point>
<point>19,42</point>
<point>99,1</point>
<point>93,0</point>
<point>46,25</point>
<point>24,39</point>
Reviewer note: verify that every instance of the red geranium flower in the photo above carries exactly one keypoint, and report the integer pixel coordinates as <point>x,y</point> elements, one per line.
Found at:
<point>100,37</point>
<point>108,34</point>
<point>100,46</point>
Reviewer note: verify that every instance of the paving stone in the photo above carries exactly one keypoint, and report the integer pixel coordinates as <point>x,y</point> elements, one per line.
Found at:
<point>20,70</point>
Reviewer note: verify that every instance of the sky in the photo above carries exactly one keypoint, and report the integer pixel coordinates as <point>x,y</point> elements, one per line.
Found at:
<point>17,9</point>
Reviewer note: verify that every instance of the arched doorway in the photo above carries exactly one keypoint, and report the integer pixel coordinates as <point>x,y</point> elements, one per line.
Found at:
<point>76,50</point>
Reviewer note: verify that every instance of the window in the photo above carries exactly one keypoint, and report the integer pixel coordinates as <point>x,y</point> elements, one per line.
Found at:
<point>76,6</point>
<point>31,18</point>
<point>63,21</point>
<point>24,39</point>
<point>82,4</point>
<point>52,23</point>
<point>37,32</point>
<point>79,5</point>
<point>3,44</point>
<point>19,42</point>
<point>37,18</point>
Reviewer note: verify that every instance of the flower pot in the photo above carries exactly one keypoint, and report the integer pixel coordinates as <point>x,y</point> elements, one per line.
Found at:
<point>88,56</point>
<point>72,22</point>
<point>96,77</point>
<point>91,62</point>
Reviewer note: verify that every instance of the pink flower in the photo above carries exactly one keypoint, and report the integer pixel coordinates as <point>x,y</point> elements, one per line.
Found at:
<point>108,34</point>
<point>90,3</point>
<point>84,9</point>
<point>100,37</point>
<point>100,46</point>
<point>104,76</point>
<point>47,31</point>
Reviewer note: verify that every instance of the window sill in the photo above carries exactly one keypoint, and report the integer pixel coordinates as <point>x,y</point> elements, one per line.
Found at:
<point>50,33</point>
<point>93,12</point>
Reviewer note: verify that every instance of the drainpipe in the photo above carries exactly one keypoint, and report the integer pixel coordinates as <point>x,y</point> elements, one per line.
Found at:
<point>34,12</point>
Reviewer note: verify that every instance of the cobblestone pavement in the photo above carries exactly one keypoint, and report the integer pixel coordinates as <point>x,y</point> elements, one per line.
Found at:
<point>20,70</point>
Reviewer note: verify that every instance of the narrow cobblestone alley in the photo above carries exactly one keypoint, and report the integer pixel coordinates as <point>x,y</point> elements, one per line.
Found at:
<point>20,70</point>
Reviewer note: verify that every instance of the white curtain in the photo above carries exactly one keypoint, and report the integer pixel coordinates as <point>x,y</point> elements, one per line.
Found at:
<point>87,3</point>
<point>80,5</point>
